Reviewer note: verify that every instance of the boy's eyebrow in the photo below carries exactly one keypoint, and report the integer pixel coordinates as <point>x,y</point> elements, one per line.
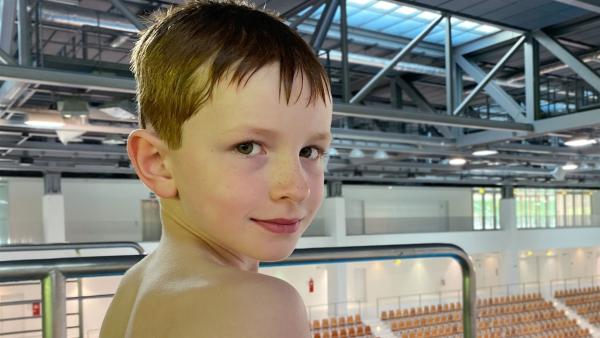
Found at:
<point>271,133</point>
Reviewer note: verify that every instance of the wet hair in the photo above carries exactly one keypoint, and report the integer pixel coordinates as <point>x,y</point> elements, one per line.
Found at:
<point>187,50</point>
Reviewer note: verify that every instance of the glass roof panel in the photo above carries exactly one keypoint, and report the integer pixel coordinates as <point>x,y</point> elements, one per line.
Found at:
<point>405,21</point>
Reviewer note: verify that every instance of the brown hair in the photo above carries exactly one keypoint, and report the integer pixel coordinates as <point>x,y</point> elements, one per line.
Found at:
<point>186,50</point>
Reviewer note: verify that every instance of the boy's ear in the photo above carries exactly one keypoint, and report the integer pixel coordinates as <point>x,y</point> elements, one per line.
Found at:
<point>147,153</point>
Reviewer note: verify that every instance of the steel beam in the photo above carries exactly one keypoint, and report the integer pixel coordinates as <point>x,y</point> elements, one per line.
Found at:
<point>127,13</point>
<point>386,137</point>
<point>421,103</point>
<point>373,82</point>
<point>24,28</point>
<point>487,137</point>
<point>493,89</point>
<point>564,55</point>
<point>387,114</point>
<point>450,68</point>
<point>346,90</point>
<point>8,10</point>
<point>587,119</point>
<point>315,5</point>
<point>486,42</point>
<point>316,40</point>
<point>68,79</point>
<point>489,77</point>
<point>532,79</point>
<point>588,5</point>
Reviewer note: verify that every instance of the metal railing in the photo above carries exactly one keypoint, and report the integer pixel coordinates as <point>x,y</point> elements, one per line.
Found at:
<point>53,272</point>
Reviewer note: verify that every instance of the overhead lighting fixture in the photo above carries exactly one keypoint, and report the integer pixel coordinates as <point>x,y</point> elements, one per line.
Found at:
<point>484,152</point>
<point>44,120</point>
<point>580,142</point>
<point>73,107</point>
<point>457,161</point>
<point>333,152</point>
<point>356,153</point>
<point>380,155</point>
<point>113,140</point>
<point>360,2</point>
<point>570,166</point>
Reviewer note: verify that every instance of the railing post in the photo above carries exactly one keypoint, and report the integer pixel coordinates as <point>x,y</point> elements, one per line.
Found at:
<point>54,307</point>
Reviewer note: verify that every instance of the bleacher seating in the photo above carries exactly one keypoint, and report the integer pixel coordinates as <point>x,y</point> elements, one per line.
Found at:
<point>585,301</point>
<point>515,316</point>
<point>340,327</point>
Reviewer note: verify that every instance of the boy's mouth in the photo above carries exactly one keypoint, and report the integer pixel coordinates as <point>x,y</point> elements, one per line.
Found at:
<point>279,225</point>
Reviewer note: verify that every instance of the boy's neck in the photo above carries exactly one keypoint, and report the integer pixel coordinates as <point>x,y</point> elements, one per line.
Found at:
<point>181,239</point>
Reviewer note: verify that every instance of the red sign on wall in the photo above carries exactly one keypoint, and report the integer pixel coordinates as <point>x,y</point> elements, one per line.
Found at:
<point>36,308</point>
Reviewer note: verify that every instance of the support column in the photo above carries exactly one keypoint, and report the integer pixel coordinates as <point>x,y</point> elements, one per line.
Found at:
<point>335,218</point>
<point>337,289</point>
<point>508,222</point>
<point>53,210</point>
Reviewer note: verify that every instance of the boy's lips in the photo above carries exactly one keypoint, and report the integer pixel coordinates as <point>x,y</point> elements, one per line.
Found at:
<point>279,225</point>
<point>280,221</point>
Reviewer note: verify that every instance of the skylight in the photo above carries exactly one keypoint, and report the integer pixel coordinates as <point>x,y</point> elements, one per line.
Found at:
<point>405,21</point>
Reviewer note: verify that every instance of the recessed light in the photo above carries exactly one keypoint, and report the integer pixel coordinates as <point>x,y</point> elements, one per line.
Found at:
<point>457,161</point>
<point>484,152</point>
<point>570,166</point>
<point>580,142</point>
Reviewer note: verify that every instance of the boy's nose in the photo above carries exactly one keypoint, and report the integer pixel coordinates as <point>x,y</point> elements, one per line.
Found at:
<point>289,180</point>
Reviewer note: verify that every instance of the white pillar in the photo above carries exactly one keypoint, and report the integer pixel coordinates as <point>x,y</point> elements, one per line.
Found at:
<point>53,210</point>
<point>335,218</point>
<point>337,289</point>
<point>510,257</point>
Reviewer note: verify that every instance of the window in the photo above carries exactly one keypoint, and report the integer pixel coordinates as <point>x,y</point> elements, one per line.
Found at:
<point>486,208</point>
<point>550,208</point>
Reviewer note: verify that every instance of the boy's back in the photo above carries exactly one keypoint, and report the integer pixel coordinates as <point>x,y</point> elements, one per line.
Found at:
<point>185,300</point>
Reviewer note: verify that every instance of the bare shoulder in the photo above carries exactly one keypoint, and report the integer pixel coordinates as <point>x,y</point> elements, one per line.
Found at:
<point>239,304</point>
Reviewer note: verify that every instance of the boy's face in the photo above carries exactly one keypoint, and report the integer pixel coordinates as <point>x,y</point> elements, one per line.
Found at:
<point>229,176</point>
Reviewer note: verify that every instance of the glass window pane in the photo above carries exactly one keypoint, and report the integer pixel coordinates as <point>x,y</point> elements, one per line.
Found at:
<point>569,210</point>
<point>578,208</point>
<point>498,198</point>
<point>560,209</point>
<point>587,209</point>
<point>551,209</point>
<point>477,211</point>
<point>488,210</point>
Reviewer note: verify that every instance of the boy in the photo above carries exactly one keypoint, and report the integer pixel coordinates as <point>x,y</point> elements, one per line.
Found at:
<point>235,115</point>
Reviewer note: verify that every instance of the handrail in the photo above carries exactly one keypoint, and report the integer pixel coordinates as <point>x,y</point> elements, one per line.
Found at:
<point>53,272</point>
<point>71,246</point>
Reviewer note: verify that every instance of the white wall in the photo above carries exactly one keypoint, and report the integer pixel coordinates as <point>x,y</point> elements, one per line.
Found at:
<point>103,210</point>
<point>25,209</point>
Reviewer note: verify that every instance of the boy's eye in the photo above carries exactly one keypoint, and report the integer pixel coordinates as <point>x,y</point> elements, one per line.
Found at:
<point>248,148</point>
<point>313,153</point>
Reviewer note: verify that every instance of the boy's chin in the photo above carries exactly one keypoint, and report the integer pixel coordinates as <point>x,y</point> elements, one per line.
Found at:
<point>274,254</point>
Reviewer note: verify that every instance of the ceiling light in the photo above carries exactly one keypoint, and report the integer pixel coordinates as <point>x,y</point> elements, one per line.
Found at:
<point>570,166</point>
<point>44,120</point>
<point>580,142</point>
<point>333,152</point>
<point>407,10</point>
<point>357,153</point>
<point>120,109</point>
<point>380,155</point>
<point>484,152</point>
<point>457,161</point>
<point>113,140</point>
